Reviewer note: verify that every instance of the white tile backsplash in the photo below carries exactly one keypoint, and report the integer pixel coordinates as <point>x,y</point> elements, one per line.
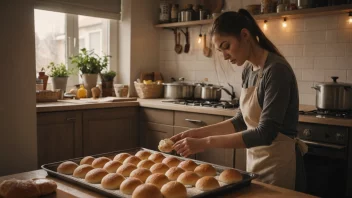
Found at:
<point>317,48</point>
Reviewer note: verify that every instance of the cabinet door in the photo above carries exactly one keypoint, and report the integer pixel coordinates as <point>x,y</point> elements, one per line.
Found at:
<point>59,136</point>
<point>195,120</point>
<point>152,133</point>
<point>106,130</point>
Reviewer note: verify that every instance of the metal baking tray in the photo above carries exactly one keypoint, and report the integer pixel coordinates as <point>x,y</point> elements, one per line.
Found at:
<point>191,192</point>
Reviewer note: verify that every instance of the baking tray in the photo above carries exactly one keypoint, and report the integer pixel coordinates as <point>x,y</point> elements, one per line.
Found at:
<point>191,192</point>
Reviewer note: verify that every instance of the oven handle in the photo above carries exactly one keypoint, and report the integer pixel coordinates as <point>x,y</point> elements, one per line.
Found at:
<point>333,146</point>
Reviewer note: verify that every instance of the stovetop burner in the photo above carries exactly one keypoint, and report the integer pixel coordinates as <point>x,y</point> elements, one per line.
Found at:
<point>320,113</point>
<point>214,104</point>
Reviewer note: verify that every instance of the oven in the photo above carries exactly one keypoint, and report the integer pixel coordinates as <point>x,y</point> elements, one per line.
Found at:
<point>326,162</point>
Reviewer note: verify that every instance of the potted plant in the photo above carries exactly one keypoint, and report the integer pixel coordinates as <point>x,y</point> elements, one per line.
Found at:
<point>59,75</point>
<point>90,65</point>
<point>107,80</point>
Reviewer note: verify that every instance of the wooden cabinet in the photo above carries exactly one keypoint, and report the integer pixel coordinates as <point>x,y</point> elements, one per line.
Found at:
<point>59,136</point>
<point>106,130</point>
<point>195,120</point>
<point>152,133</point>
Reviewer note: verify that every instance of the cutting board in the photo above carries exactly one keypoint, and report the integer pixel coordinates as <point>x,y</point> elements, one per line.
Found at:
<point>100,100</point>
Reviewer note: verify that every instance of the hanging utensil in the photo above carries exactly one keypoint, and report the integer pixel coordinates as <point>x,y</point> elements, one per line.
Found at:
<point>187,45</point>
<point>206,50</point>
<point>178,47</point>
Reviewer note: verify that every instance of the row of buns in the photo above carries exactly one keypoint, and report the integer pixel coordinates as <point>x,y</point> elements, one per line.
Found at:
<point>148,168</point>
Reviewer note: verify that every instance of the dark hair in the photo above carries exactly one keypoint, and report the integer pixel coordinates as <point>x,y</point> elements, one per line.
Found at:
<point>231,23</point>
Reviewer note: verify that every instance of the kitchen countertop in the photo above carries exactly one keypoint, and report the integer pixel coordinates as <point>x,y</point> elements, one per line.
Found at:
<point>68,190</point>
<point>68,105</point>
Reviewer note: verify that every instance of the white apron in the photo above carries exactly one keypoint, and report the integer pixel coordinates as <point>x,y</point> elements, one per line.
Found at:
<point>276,163</point>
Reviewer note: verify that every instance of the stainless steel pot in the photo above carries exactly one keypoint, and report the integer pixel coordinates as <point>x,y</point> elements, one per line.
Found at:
<point>334,96</point>
<point>178,90</point>
<point>198,91</point>
<point>211,92</point>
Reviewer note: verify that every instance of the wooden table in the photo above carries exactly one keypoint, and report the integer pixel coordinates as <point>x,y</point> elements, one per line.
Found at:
<point>68,190</point>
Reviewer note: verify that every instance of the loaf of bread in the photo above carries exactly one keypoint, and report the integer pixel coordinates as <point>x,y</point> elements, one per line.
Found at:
<point>173,173</point>
<point>14,188</point>
<point>141,173</point>
<point>147,190</point>
<point>156,157</point>
<point>112,166</point>
<point>174,189</point>
<point>87,160</point>
<point>188,178</point>
<point>159,168</point>
<point>82,170</point>
<point>129,185</point>
<point>126,169</point>
<point>143,155</point>
<point>171,161</point>
<point>145,164</point>
<point>95,176</point>
<point>205,170</point>
<point>112,181</point>
<point>188,165</point>
<point>230,176</point>
<point>121,157</point>
<point>207,183</point>
<point>157,179</point>
<point>166,145</point>
<point>132,160</point>
<point>100,162</point>
<point>67,168</point>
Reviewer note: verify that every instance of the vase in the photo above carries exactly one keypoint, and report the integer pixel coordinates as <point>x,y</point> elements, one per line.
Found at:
<point>107,88</point>
<point>89,81</point>
<point>44,78</point>
<point>59,83</point>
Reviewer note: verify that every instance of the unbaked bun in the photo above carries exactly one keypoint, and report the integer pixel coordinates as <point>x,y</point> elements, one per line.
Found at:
<point>82,170</point>
<point>159,168</point>
<point>188,178</point>
<point>166,145</point>
<point>145,164</point>
<point>112,166</point>
<point>95,176</point>
<point>143,155</point>
<point>14,188</point>
<point>67,168</point>
<point>147,190</point>
<point>174,189</point>
<point>230,176</point>
<point>173,173</point>
<point>132,160</point>
<point>171,161</point>
<point>87,160</point>
<point>205,170</point>
<point>129,185</point>
<point>157,179</point>
<point>156,157</point>
<point>121,157</point>
<point>188,165</point>
<point>112,181</point>
<point>207,183</point>
<point>100,162</point>
<point>126,169</point>
<point>45,186</point>
<point>141,173</point>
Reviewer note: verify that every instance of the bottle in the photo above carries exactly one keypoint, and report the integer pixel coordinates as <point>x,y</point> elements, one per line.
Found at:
<point>82,92</point>
<point>174,13</point>
<point>44,78</point>
<point>164,16</point>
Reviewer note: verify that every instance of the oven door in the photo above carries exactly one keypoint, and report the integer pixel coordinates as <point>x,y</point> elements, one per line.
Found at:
<point>326,168</point>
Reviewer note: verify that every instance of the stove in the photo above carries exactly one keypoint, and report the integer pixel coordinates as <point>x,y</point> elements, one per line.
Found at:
<point>224,104</point>
<point>320,113</point>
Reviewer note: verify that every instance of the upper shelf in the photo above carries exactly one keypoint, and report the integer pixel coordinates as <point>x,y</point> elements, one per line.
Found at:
<point>309,12</point>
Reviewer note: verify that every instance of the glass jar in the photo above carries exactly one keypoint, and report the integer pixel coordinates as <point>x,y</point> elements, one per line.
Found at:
<point>266,6</point>
<point>174,13</point>
<point>164,16</point>
<point>39,86</point>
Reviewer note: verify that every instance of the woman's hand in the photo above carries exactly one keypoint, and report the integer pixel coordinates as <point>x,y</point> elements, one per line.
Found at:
<point>189,146</point>
<point>183,135</point>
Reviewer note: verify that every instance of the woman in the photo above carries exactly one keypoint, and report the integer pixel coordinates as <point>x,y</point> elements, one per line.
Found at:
<point>268,116</point>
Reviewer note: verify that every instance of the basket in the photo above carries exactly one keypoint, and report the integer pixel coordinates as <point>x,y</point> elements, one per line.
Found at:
<point>149,90</point>
<point>47,96</point>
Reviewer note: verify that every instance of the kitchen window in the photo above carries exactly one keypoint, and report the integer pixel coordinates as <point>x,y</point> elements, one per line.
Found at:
<point>59,36</point>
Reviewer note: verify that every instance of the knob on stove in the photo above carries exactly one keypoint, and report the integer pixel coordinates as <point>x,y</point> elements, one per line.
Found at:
<point>307,133</point>
<point>339,136</point>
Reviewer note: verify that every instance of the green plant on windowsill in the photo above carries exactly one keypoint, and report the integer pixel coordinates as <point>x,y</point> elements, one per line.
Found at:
<point>108,76</point>
<point>90,63</point>
<point>59,70</point>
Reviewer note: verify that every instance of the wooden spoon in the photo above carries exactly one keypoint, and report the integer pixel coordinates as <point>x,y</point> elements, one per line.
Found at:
<point>178,47</point>
<point>187,46</point>
<point>206,50</point>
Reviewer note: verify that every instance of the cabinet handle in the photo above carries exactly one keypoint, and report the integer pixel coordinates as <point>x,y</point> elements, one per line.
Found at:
<point>196,121</point>
<point>70,119</point>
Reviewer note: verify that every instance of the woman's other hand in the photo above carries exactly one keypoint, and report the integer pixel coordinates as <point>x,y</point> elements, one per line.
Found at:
<point>188,146</point>
<point>183,135</point>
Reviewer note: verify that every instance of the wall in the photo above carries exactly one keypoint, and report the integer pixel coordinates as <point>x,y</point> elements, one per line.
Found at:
<point>317,48</point>
<point>18,136</point>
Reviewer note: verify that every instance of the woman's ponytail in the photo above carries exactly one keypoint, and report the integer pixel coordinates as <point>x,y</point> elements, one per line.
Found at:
<point>231,23</point>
